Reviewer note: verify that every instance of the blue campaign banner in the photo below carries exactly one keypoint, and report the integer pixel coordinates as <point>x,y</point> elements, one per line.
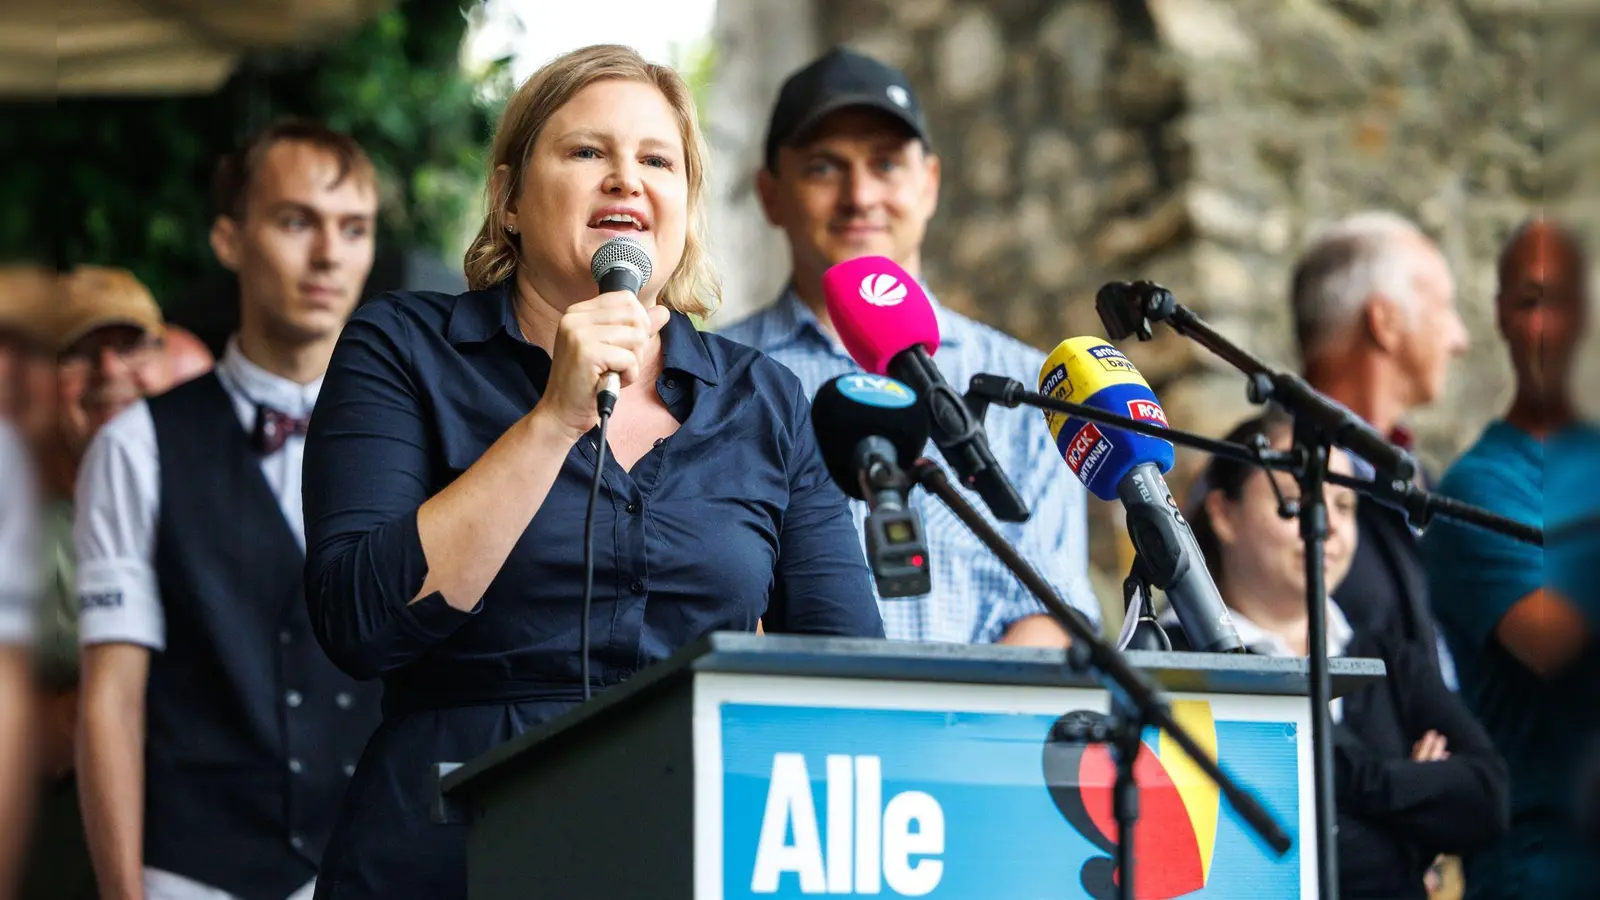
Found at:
<point>890,802</point>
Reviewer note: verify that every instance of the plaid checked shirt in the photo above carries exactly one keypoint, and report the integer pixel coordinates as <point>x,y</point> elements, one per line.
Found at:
<point>975,597</point>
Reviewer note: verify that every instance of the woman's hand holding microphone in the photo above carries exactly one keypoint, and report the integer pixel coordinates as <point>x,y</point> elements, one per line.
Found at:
<point>607,333</point>
<point>468,529</point>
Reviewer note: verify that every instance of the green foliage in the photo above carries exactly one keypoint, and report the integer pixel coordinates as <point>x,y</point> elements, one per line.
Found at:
<point>126,181</point>
<point>697,63</point>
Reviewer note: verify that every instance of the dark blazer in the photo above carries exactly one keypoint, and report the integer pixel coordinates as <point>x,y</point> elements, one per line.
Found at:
<point>1396,815</point>
<point>1386,591</point>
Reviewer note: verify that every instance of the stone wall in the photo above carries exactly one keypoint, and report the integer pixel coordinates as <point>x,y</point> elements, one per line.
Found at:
<point>1197,143</point>
<point>1317,109</point>
<point>759,42</point>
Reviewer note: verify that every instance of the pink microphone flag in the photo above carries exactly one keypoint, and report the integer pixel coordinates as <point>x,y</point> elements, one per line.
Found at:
<point>879,311</point>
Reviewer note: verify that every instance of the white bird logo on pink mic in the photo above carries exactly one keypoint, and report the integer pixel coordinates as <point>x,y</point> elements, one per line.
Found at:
<point>882,290</point>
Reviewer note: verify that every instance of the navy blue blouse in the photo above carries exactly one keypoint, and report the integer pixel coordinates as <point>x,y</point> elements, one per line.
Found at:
<point>730,519</point>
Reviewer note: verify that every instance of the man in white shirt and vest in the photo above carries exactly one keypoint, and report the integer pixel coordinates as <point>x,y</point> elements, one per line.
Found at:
<point>217,738</point>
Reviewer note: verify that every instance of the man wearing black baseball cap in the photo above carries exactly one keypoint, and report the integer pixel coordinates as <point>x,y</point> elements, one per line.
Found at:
<point>850,172</point>
<point>840,80</point>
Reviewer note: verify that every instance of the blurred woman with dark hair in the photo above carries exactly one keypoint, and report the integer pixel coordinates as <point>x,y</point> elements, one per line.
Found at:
<point>1415,774</point>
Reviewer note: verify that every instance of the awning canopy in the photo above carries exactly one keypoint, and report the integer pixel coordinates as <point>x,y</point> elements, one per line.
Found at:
<point>134,47</point>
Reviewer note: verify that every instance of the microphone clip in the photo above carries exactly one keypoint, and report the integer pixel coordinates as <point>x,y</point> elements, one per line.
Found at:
<point>1140,629</point>
<point>1132,308</point>
<point>958,433</point>
<point>1265,457</point>
<point>897,545</point>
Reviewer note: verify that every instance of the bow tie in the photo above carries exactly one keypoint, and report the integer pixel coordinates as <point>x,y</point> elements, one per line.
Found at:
<point>273,428</point>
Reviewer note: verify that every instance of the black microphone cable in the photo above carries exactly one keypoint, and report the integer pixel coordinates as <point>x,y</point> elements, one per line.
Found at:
<point>588,546</point>
<point>620,264</point>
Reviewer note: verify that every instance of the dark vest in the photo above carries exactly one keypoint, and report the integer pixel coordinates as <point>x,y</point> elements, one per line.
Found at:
<point>252,732</point>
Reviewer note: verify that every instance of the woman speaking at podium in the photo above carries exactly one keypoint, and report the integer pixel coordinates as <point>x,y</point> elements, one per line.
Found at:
<point>449,461</point>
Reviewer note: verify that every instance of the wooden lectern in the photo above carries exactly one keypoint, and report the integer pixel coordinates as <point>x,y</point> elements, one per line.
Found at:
<point>777,766</point>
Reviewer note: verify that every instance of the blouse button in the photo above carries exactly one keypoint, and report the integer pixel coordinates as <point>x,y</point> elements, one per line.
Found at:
<point>633,509</point>
<point>638,586</point>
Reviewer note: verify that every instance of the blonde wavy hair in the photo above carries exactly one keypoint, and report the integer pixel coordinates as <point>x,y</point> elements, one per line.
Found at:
<point>693,287</point>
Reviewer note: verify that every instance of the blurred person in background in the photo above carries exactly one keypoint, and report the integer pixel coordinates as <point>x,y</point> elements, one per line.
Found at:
<point>187,356</point>
<point>109,341</point>
<point>1415,775</point>
<point>19,578</point>
<point>1373,303</point>
<point>1521,618</point>
<point>27,371</point>
<point>106,334</point>
<point>217,739</point>
<point>109,351</point>
<point>850,172</point>
<point>24,295</point>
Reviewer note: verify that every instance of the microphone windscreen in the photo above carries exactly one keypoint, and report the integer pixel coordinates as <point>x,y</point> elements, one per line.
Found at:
<point>621,251</point>
<point>879,311</point>
<point>1090,372</point>
<point>858,405</point>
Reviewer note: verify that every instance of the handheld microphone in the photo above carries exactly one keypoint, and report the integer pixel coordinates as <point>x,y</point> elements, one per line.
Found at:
<point>887,325</point>
<point>871,429</point>
<point>621,264</point>
<point>1115,464</point>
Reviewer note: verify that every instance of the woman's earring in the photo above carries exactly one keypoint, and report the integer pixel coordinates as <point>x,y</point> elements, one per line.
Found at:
<point>512,228</point>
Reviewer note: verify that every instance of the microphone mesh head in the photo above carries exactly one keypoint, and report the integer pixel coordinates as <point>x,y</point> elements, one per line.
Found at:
<point>621,251</point>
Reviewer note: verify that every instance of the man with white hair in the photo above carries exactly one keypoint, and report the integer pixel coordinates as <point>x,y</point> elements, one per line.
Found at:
<point>1375,318</point>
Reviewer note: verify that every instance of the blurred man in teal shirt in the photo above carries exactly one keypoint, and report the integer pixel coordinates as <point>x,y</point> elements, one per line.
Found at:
<point>1521,623</point>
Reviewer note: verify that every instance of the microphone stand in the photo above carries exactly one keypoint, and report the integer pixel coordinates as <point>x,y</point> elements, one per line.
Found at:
<point>1308,462</point>
<point>1319,425</point>
<point>1135,701</point>
<point>1420,506</point>
<point>1578,528</point>
<point>1133,308</point>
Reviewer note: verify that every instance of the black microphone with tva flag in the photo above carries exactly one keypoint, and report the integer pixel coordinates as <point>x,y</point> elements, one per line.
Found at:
<point>870,430</point>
